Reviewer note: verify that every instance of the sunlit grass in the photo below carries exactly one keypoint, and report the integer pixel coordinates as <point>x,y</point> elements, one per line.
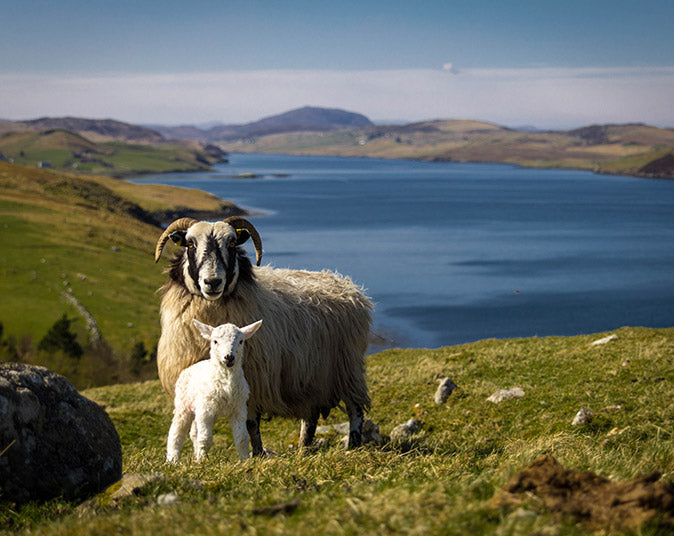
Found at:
<point>437,482</point>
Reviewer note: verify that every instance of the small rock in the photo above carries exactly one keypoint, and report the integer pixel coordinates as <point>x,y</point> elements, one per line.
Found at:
<point>505,394</point>
<point>405,430</point>
<point>604,340</point>
<point>445,389</point>
<point>167,499</point>
<point>341,428</point>
<point>583,416</point>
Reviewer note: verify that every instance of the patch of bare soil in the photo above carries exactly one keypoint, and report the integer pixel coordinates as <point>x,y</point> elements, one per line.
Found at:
<point>590,498</point>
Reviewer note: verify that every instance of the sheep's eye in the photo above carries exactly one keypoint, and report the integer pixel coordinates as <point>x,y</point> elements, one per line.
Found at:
<point>191,244</point>
<point>240,343</point>
<point>215,342</point>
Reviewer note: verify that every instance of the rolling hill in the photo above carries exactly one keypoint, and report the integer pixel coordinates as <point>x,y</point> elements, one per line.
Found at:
<point>97,130</point>
<point>306,119</point>
<point>71,151</point>
<point>632,149</point>
<point>85,243</point>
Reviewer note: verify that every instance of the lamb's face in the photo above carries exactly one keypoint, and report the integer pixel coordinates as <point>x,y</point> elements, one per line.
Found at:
<point>227,345</point>
<point>211,268</point>
<point>227,340</point>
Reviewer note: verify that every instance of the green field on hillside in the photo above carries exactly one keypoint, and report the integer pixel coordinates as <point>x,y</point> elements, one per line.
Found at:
<point>445,479</point>
<point>67,151</point>
<point>87,238</point>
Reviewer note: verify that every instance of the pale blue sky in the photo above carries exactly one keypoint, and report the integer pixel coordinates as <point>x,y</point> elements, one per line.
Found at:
<point>538,62</point>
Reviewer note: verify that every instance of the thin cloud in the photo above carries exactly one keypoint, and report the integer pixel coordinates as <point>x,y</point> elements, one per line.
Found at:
<point>544,97</point>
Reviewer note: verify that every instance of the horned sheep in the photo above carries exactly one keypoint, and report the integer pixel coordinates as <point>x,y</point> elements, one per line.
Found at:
<point>310,356</point>
<point>212,388</point>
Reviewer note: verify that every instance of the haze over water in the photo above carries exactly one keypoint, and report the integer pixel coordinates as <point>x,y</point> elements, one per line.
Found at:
<point>453,253</point>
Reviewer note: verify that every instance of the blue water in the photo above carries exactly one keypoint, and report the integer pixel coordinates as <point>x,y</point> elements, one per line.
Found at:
<point>453,253</point>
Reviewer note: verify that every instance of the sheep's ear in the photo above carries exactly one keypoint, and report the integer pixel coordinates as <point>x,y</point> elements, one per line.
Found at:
<point>178,238</point>
<point>204,329</point>
<point>250,329</point>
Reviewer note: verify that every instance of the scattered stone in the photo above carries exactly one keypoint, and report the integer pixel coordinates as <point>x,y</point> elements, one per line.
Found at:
<point>583,416</point>
<point>604,340</point>
<point>405,430</point>
<point>591,499</point>
<point>341,428</point>
<point>626,363</point>
<point>167,499</point>
<point>505,394</point>
<point>445,389</point>
<point>370,433</point>
<point>54,442</point>
<point>130,485</point>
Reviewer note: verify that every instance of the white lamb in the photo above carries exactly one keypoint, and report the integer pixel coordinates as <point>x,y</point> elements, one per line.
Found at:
<point>212,388</point>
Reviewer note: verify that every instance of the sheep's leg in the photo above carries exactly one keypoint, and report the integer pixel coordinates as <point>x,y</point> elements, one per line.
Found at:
<point>177,434</point>
<point>253,427</point>
<point>205,425</point>
<point>355,413</point>
<point>240,434</point>
<point>308,429</point>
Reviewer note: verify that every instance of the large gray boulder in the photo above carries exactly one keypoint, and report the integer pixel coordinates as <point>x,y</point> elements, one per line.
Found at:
<point>53,441</point>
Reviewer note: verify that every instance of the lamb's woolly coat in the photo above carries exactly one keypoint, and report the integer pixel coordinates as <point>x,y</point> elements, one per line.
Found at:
<point>311,355</point>
<point>204,392</point>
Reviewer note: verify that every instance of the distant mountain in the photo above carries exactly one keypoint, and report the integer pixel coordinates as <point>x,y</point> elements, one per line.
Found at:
<point>96,129</point>
<point>307,119</point>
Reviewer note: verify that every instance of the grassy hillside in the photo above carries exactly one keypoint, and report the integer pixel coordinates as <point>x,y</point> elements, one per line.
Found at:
<point>92,238</point>
<point>67,151</point>
<point>619,149</point>
<point>443,480</point>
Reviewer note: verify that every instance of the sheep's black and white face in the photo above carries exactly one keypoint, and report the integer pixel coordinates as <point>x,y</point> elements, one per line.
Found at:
<point>210,262</point>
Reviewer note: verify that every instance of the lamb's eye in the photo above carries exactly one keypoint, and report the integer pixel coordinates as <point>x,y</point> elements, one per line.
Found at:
<point>215,342</point>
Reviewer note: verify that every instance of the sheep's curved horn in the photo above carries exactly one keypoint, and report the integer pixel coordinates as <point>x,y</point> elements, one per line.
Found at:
<point>178,225</point>
<point>241,223</point>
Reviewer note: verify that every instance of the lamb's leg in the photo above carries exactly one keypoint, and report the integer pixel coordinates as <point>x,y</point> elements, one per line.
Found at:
<point>194,434</point>
<point>240,434</point>
<point>205,425</point>
<point>177,433</point>
<point>253,427</point>
<point>355,413</point>
<point>308,429</point>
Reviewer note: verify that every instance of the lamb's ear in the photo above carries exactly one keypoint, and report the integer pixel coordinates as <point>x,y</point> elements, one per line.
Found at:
<point>250,329</point>
<point>204,329</point>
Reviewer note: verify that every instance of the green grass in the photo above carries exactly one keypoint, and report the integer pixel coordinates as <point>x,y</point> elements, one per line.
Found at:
<point>64,233</point>
<point>439,482</point>
<point>71,152</point>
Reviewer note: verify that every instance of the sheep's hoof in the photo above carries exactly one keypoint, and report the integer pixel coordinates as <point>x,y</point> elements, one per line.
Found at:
<point>355,440</point>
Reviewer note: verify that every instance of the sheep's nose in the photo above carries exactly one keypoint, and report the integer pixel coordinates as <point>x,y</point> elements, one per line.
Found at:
<point>229,360</point>
<point>213,283</point>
